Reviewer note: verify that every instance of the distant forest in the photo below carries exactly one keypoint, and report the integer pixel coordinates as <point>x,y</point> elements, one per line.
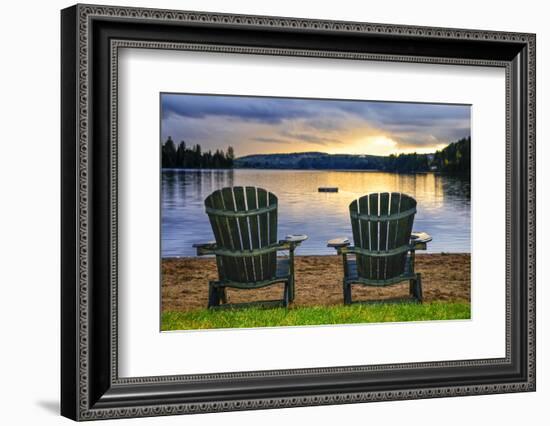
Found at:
<point>454,158</point>
<point>182,157</point>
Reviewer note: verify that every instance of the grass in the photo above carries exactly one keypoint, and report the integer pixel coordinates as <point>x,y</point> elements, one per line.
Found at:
<point>316,315</point>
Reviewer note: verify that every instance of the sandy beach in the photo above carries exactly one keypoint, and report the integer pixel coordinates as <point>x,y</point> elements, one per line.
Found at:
<point>445,277</point>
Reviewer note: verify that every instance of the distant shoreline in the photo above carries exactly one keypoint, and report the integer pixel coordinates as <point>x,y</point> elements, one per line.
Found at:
<point>435,172</point>
<point>454,158</point>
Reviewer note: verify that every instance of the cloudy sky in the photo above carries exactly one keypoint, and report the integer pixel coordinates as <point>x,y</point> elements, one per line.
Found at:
<point>258,125</point>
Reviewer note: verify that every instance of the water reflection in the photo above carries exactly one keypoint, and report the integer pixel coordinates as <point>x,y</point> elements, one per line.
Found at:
<point>443,204</point>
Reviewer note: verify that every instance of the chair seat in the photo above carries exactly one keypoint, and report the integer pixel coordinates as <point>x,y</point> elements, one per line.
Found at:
<point>282,274</point>
<point>283,267</point>
<point>353,277</point>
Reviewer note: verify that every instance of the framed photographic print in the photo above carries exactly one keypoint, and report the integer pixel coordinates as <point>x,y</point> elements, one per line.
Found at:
<point>263,212</point>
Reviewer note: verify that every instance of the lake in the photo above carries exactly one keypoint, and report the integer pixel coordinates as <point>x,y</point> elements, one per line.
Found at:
<point>443,209</point>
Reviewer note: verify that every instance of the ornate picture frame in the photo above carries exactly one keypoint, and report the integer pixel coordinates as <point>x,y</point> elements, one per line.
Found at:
<point>91,38</point>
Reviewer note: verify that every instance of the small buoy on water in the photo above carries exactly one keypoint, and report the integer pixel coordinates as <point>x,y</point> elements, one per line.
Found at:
<point>328,189</point>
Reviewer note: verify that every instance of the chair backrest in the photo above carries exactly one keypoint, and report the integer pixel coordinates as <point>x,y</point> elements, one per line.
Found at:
<point>244,221</point>
<point>382,225</point>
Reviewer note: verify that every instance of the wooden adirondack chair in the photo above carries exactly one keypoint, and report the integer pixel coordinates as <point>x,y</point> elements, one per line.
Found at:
<point>244,223</point>
<point>384,244</point>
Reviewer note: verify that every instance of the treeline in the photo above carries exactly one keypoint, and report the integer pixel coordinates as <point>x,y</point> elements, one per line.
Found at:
<point>182,157</point>
<point>311,160</point>
<point>408,163</point>
<point>454,158</point>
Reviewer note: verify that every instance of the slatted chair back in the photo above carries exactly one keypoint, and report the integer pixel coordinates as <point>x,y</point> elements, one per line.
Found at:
<point>382,225</point>
<point>244,223</point>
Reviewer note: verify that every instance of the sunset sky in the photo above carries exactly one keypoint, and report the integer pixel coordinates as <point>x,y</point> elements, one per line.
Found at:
<point>259,125</point>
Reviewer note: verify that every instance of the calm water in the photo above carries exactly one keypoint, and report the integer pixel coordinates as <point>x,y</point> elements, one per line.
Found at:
<point>443,205</point>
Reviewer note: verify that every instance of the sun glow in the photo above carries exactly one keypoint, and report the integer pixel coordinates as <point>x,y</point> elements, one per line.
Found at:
<point>371,145</point>
<point>381,143</point>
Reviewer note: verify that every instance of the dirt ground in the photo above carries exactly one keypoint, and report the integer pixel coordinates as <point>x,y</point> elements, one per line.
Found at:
<point>445,277</point>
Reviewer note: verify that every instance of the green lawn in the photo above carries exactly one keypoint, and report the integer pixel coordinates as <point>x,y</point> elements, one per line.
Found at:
<point>317,315</point>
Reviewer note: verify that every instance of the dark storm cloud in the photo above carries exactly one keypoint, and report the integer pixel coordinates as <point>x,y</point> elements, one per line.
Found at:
<point>275,110</point>
<point>402,113</point>
<point>264,110</point>
<point>215,119</point>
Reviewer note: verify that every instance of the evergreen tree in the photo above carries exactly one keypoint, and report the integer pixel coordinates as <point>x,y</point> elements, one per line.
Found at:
<point>194,158</point>
<point>197,156</point>
<point>180,155</point>
<point>230,156</point>
<point>169,154</point>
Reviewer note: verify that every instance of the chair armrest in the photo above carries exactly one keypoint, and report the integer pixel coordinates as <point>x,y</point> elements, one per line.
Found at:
<point>382,253</point>
<point>205,248</point>
<point>292,241</point>
<point>420,240</point>
<point>338,243</point>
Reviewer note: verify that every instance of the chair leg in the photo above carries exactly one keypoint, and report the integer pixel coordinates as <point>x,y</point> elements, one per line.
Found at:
<point>291,294</point>
<point>418,288</point>
<point>347,293</point>
<point>222,292</point>
<point>286,295</point>
<point>213,296</point>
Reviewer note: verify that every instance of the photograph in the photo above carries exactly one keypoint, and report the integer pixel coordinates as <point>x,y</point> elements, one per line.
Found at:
<point>272,208</point>
<point>279,211</point>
